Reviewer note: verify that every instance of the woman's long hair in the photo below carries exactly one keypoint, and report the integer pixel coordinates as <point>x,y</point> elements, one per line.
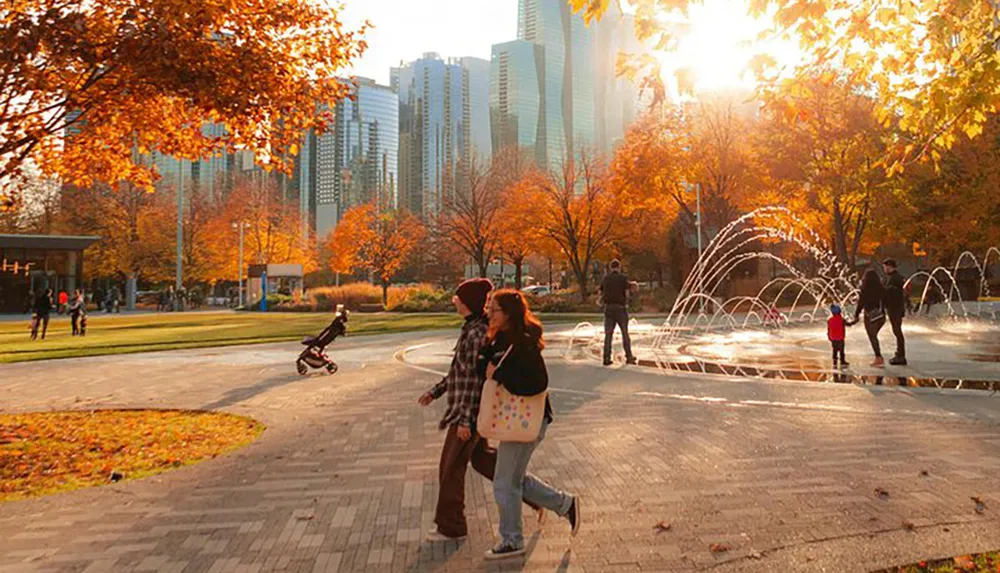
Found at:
<point>870,282</point>
<point>521,323</point>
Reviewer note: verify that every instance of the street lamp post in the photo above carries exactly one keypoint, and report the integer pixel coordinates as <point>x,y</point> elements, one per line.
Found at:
<point>179,279</point>
<point>697,225</point>
<point>240,226</point>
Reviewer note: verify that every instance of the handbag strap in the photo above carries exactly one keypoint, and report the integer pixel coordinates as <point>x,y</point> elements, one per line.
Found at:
<point>504,357</point>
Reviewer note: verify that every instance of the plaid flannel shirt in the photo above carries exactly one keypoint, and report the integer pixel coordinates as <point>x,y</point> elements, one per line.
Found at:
<point>463,384</point>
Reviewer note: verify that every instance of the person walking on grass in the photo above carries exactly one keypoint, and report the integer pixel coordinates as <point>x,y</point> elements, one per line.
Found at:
<point>515,343</point>
<point>614,291</point>
<point>895,307</point>
<point>42,308</point>
<point>870,301</point>
<point>77,308</point>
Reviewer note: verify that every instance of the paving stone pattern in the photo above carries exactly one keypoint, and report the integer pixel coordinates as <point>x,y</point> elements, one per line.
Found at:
<point>344,479</point>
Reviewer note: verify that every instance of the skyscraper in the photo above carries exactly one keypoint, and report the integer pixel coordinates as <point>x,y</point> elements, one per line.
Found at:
<point>444,121</point>
<point>581,104</point>
<point>356,161</point>
<point>516,98</point>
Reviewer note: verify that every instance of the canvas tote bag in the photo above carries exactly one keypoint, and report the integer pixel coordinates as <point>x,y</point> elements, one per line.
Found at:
<point>506,417</point>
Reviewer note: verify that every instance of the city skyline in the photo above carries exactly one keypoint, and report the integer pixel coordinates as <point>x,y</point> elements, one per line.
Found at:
<point>404,31</point>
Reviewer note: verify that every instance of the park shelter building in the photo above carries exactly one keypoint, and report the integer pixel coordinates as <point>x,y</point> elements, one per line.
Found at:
<point>31,263</point>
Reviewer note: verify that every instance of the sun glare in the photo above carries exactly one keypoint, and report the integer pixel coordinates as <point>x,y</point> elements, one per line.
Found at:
<point>717,42</point>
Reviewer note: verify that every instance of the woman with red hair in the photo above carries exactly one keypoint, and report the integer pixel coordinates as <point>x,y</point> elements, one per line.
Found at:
<point>515,335</point>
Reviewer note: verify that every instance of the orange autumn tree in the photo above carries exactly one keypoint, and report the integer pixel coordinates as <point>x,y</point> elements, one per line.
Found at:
<point>273,232</point>
<point>115,76</point>
<point>379,241</point>
<point>129,221</point>
<point>574,209</point>
<point>826,152</point>
<point>933,64</point>
<point>514,172</point>
<point>469,217</point>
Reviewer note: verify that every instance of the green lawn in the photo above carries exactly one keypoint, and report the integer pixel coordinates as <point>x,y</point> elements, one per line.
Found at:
<point>167,331</point>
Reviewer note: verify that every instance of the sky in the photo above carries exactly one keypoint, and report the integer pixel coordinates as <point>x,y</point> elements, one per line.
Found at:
<point>405,29</point>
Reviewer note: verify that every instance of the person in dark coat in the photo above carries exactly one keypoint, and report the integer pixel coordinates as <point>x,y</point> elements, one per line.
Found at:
<point>42,308</point>
<point>870,301</point>
<point>522,373</point>
<point>895,307</point>
<point>615,293</point>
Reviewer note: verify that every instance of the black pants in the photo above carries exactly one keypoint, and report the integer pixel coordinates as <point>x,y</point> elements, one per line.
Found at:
<point>896,322</point>
<point>872,328</point>
<point>616,314</point>
<point>838,350</point>
<point>75,319</point>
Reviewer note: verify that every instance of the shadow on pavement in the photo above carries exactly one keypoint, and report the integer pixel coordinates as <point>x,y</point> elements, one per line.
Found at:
<point>237,395</point>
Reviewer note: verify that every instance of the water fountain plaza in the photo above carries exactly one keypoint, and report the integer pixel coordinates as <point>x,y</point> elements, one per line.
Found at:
<point>780,332</point>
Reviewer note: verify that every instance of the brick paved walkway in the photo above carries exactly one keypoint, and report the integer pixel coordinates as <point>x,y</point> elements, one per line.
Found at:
<point>344,479</point>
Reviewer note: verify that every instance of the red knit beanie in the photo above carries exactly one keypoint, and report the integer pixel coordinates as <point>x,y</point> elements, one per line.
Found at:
<point>473,293</point>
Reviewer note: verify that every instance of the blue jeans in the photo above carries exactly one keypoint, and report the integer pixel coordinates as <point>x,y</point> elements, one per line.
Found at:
<point>512,483</point>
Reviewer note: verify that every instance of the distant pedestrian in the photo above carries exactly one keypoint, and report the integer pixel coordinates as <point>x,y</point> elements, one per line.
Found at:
<point>615,289</point>
<point>63,302</point>
<point>896,301</point>
<point>870,301</point>
<point>42,309</point>
<point>836,330</point>
<point>77,310</point>
<point>514,360</point>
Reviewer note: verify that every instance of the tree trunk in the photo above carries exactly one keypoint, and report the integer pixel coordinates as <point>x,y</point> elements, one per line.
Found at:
<point>385,293</point>
<point>659,273</point>
<point>517,271</point>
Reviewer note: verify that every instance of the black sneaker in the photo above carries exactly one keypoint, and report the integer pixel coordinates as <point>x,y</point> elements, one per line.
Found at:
<point>631,361</point>
<point>898,361</point>
<point>503,551</point>
<point>573,515</point>
<point>845,364</point>
<point>607,362</point>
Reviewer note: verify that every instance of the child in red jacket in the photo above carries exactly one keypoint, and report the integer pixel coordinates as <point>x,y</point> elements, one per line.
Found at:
<point>835,331</point>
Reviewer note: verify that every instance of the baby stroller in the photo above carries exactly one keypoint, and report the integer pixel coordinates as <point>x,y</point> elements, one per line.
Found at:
<point>314,356</point>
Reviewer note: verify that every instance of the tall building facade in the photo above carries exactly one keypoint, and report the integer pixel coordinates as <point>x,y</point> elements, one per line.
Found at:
<point>211,175</point>
<point>581,104</point>
<point>517,98</point>
<point>444,123</point>
<point>356,161</point>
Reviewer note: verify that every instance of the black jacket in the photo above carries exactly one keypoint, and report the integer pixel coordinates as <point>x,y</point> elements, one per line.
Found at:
<point>895,297</point>
<point>870,300</point>
<point>614,288</point>
<point>43,304</point>
<point>522,373</point>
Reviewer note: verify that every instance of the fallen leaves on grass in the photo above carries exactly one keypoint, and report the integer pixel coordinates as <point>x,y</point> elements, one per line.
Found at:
<point>881,493</point>
<point>661,527</point>
<point>979,563</point>
<point>47,452</point>
<point>719,548</point>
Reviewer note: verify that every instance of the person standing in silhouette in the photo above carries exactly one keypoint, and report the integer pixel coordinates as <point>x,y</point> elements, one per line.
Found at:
<point>895,307</point>
<point>42,308</point>
<point>614,291</point>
